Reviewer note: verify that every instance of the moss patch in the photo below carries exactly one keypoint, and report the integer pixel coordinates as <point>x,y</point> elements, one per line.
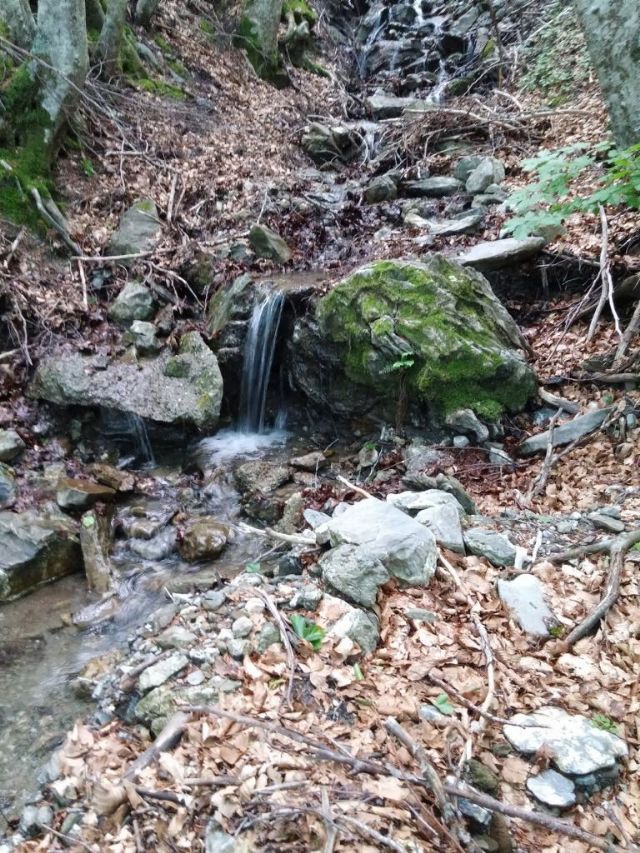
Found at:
<point>301,11</point>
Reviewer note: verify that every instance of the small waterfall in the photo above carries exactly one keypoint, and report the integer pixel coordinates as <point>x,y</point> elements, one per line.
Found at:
<point>259,349</point>
<point>138,431</point>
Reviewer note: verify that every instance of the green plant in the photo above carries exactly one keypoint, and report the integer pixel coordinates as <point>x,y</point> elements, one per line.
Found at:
<point>442,703</point>
<point>87,167</point>
<point>542,206</point>
<point>309,631</point>
<point>601,721</point>
<point>401,366</point>
<point>253,568</point>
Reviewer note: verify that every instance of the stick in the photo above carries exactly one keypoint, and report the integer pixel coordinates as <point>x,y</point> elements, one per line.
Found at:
<point>353,487</point>
<point>83,281</point>
<point>602,547</point>
<point>567,406</point>
<point>329,824</point>
<point>170,734</point>
<point>53,222</point>
<point>291,658</point>
<point>541,480</point>
<point>269,533</point>
<point>628,336</point>
<point>617,551</point>
<point>369,832</point>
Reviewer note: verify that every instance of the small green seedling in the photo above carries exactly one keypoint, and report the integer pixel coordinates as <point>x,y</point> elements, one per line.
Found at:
<point>309,631</point>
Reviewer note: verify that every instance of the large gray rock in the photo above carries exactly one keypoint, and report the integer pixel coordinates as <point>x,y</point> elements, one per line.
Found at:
<point>139,231</point>
<point>260,476</point>
<point>497,254</point>
<point>494,546</point>
<point>35,549</point>
<point>524,597</point>
<point>565,433</point>
<point>382,105</point>
<point>553,789</point>
<point>354,572</point>
<point>576,746</point>
<point>11,445</point>
<point>73,495</point>
<point>325,143</point>
<point>488,172</point>
<point>382,188</point>
<point>435,187</point>
<point>415,502</point>
<point>185,388</point>
<point>203,538</point>
<point>267,244</point>
<point>459,344</point>
<point>444,522</point>
<point>405,548</point>
<point>134,302</point>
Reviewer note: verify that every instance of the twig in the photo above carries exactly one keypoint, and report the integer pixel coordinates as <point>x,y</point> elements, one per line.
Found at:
<point>369,832</point>
<point>83,281</point>
<point>353,487</point>
<point>567,406</point>
<point>269,533</point>
<point>172,194</point>
<point>165,740</point>
<point>54,223</point>
<point>329,823</point>
<point>606,292</point>
<point>619,547</point>
<point>70,839</point>
<point>211,782</point>
<point>541,480</point>
<point>291,658</point>
<point>630,332</point>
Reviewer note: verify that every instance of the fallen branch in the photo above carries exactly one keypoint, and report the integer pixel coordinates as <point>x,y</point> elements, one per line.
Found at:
<point>269,533</point>
<point>629,334</point>
<point>286,642</point>
<point>540,482</point>
<point>353,486</point>
<point>167,738</point>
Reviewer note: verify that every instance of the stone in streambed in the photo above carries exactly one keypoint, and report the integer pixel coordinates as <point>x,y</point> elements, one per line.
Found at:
<point>565,433</point>
<point>354,572</point>
<point>11,445</point>
<point>204,538</point>
<point>435,187</point>
<point>262,477</point>
<point>552,789</point>
<point>383,188</point>
<point>135,302</point>
<point>176,637</point>
<point>162,671</point>
<point>72,494</point>
<point>267,244</point>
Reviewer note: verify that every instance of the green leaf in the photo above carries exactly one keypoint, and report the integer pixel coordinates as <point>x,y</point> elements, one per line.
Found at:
<point>606,724</point>
<point>89,520</point>
<point>442,703</point>
<point>253,568</point>
<point>357,672</point>
<point>309,631</point>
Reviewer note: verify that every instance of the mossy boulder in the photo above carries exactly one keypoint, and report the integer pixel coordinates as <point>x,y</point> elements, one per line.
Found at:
<point>433,329</point>
<point>258,35</point>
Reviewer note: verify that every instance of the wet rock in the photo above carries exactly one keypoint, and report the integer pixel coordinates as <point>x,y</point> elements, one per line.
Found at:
<point>565,433</point>
<point>147,389</point>
<point>139,231</point>
<point>314,461</point>
<point>134,302</point>
<point>552,789</point>
<point>267,244</point>
<point>497,254</point>
<point>262,477</point>
<point>176,637</point>
<point>35,549</point>
<point>158,673</point>
<point>8,488</point>
<point>488,172</point>
<point>157,548</point>
<point>121,481</point>
<point>143,336</point>
<point>606,522</point>
<point>383,188</point>
<point>576,746</point>
<point>435,187</point>
<point>494,546</point>
<point>444,522</point>
<point>324,143</point>
<point>204,538</point>
<point>11,445</point>
<point>524,597</point>
<point>405,548</point>
<point>73,495</point>
<point>354,572</point>
<point>415,502</point>
<point>382,105</point>
<point>466,420</point>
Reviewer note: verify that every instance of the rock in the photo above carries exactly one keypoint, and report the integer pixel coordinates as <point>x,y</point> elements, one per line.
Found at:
<point>450,227</point>
<point>292,515</point>
<point>35,549</point>
<point>414,502</point>
<point>418,614</point>
<point>497,254</point>
<point>383,188</point>
<point>465,420</point>
<point>214,600</point>
<point>162,671</point>
<point>217,841</point>
<point>307,598</point>
<point>139,231</point>
<point>242,627</point>
<point>499,456</point>
<point>361,627</point>
<point>269,635</point>
<point>482,777</point>
<point>11,445</point>
<point>435,187</point>
<point>449,484</point>
<point>381,105</point>
<point>552,789</point>
<point>445,320</point>
<point>444,522</point>
<point>405,548</point>
<point>95,542</point>
<point>134,302</point>
<point>257,34</point>
<point>204,538</point>
<point>488,172</point>
<point>524,597</point>
<point>494,546</point>
<point>152,389</point>
<point>159,547</point>
<point>34,819</point>
<point>325,144</point>
<point>143,336</point>
<point>238,648</point>
<point>576,746</point>
<point>606,522</point>
<point>465,166</point>
<point>121,481</point>
<point>163,701</point>
<point>176,637</point>
<point>314,461</point>
<point>565,433</point>
<point>74,495</point>
<point>8,488</point>
<point>354,572</point>
<point>261,476</point>
<point>316,519</point>
<point>267,244</point>
<point>461,441</point>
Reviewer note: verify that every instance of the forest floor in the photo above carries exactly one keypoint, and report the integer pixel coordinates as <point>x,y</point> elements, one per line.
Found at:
<point>214,163</point>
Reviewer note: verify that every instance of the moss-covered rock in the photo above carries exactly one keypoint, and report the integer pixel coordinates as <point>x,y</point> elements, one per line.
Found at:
<point>258,35</point>
<point>434,329</point>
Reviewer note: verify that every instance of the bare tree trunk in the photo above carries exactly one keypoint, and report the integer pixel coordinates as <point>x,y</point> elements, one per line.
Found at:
<point>611,28</point>
<point>110,40</point>
<point>17,18</point>
<point>145,10</point>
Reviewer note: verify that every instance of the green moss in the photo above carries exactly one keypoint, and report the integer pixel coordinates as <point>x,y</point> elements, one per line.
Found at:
<point>267,66</point>
<point>206,26</point>
<point>301,10</point>
<point>162,43</point>
<point>162,88</point>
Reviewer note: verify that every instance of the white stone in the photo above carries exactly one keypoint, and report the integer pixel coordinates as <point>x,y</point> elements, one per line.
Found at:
<point>162,671</point>
<point>553,789</point>
<point>524,597</point>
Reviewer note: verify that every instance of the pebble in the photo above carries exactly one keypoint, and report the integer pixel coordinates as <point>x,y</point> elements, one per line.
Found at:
<point>553,789</point>
<point>176,638</point>
<point>194,678</point>
<point>269,635</point>
<point>214,600</point>
<point>307,598</point>
<point>239,648</point>
<point>254,605</point>
<point>461,441</point>
<point>242,627</point>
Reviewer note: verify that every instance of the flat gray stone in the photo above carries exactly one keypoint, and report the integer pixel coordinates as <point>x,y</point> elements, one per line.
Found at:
<point>524,597</point>
<point>134,302</point>
<point>494,546</point>
<point>450,227</point>
<point>162,671</point>
<point>553,789</point>
<point>565,433</point>
<point>382,188</point>
<point>242,627</point>
<point>606,522</point>
<point>381,105</point>
<point>435,187</point>
<point>444,522</point>
<point>404,547</point>
<point>488,172</point>
<point>176,637</point>
<point>575,744</point>
<point>496,254</point>
<point>267,244</point>
<point>415,502</point>
<point>139,231</point>
<point>354,572</point>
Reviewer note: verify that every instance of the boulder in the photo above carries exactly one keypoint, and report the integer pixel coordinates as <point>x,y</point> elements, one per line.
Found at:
<point>267,244</point>
<point>497,254</point>
<point>494,546</point>
<point>436,187</point>
<point>488,172</point>
<point>565,433</point>
<point>434,324</point>
<point>444,522</point>
<point>414,502</point>
<point>383,188</point>
<point>134,302</point>
<point>203,539</point>
<point>261,476</point>
<point>326,143</point>
<point>180,389</point>
<point>406,549</point>
<point>35,549</point>
<point>139,231</point>
<point>354,572</point>
<point>11,445</point>
<point>258,36</point>
<point>74,495</point>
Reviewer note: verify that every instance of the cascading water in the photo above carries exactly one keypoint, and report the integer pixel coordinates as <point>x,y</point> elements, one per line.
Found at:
<point>259,350</point>
<point>138,430</point>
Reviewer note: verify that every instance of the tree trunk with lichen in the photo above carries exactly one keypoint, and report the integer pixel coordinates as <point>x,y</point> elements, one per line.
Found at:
<point>110,40</point>
<point>17,22</point>
<point>612,30</point>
